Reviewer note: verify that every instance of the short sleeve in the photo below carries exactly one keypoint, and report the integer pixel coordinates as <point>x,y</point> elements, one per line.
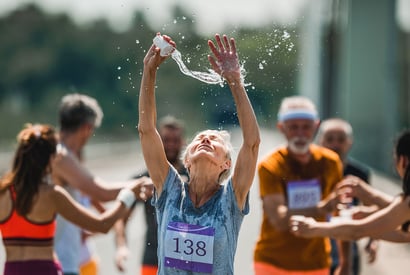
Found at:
<point>269,181</point>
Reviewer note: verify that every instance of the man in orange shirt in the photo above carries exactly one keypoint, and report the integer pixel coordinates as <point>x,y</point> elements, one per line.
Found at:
<point>296,179</point>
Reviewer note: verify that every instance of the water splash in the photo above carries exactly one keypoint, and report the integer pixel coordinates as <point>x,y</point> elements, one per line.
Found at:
<point>210,78</point>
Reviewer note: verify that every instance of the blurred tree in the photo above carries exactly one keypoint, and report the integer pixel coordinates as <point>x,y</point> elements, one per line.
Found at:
<point>46,56</point>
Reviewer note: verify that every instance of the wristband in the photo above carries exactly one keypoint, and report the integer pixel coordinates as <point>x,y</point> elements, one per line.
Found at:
<point>127,197</point>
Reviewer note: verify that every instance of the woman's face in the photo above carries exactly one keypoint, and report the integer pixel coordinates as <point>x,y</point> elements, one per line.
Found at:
<point>209,145</point>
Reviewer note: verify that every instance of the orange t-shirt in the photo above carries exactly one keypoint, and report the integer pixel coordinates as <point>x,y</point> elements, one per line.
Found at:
<point>276,171</point>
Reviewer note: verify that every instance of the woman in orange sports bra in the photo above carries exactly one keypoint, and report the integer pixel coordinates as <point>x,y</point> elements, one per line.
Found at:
<point>29,203</point>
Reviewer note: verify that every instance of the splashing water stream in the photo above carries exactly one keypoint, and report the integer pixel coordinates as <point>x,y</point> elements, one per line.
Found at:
<point>211,78</point>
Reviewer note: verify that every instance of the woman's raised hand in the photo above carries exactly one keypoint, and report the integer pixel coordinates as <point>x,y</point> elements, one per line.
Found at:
<point>224,60</point>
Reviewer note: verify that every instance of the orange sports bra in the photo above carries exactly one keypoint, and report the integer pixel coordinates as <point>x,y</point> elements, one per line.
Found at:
<point>18,230</point>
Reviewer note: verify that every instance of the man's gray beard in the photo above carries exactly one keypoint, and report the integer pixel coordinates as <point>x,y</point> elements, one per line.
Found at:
<point>298,150</point>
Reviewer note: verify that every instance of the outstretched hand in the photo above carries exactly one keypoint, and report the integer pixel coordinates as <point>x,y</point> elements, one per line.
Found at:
<point>143,188</point>
<point>224,60</point>
<point>352,187</point>
<point>362,211</point>
<point>302,226</point>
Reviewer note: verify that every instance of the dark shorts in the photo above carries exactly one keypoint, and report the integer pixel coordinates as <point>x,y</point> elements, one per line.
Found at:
<point>32,267</point>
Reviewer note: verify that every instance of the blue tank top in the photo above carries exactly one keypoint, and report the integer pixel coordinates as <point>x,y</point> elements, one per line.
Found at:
<point>197,240</point>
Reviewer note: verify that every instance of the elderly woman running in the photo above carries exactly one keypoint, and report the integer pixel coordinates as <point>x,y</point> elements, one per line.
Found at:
<point>199,222</point>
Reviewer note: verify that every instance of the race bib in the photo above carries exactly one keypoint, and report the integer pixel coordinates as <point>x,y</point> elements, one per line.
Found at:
<point>189,247</point>
<point>303,193</point>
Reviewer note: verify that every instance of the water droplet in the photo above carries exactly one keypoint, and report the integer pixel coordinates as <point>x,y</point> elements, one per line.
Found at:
<point>118,77</point>
<point>119,68</point>
<point>137,41</point>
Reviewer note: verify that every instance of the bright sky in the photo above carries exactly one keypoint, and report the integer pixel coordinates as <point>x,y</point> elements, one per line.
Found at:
<point>210,15</point>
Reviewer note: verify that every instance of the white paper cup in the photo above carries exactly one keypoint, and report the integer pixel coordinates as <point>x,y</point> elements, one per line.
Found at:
<point>345,214</point>
<point>166,48</point>
<point>298,217</point>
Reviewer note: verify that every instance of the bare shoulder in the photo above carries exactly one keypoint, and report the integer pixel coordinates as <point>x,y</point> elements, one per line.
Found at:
<point>47,192</point>
<point>64,162</point>
<point>55,190</point>
<point>62,156</point>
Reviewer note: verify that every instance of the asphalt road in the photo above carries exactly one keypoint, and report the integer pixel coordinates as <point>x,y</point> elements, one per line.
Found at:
<point>115,162</point>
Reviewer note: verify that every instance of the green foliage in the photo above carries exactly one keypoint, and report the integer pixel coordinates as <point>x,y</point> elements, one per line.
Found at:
<point>44,57</point>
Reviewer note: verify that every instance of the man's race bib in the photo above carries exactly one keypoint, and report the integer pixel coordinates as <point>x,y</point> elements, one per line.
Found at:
<point>189,247</point>
<point>303,193</point>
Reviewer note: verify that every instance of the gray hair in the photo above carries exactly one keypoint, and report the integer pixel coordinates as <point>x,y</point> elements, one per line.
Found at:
<point>77,110</point>
<point>332,123</point>
<point>228,148</point>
